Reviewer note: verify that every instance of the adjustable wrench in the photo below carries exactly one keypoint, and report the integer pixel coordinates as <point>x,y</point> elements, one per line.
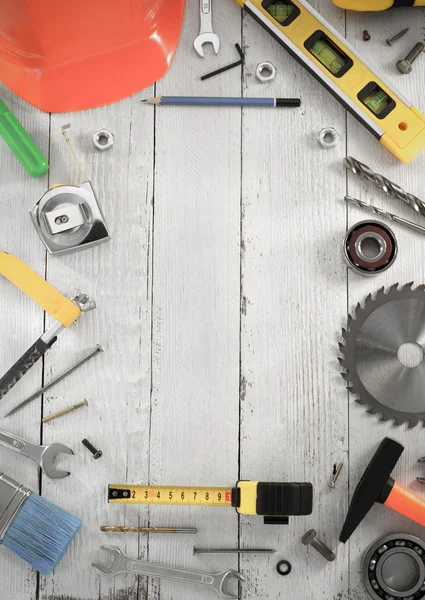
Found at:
<point>122,564</point>
<point>206,33</point>
<point>43,455</point>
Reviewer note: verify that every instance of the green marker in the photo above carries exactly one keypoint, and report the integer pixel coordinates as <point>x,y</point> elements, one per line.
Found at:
<point>21,143</point>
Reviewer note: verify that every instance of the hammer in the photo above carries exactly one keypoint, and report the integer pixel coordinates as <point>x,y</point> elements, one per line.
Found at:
<point>377,485</point>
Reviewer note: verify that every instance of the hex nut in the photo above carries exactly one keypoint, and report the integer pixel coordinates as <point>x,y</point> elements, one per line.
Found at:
<point>265,72</point>
<point>328,137</point>
<point>103,139</point>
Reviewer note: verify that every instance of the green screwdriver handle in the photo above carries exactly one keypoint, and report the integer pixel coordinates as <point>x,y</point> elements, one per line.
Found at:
<point>21,143</point>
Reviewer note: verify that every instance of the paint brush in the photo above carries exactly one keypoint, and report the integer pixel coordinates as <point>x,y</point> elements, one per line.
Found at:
<point>33,528</point>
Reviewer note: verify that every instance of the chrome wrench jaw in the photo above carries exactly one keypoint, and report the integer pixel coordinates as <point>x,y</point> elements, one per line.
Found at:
<point>224,579</point>
<point>121,564</point>
<point>43,455</point>
<point>206,34</point>
<point>48,457</point>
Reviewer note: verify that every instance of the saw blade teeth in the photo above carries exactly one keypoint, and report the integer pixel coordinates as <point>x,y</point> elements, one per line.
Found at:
<point>358,308</point>
<point>394,288</point>
<point>342,362</point>
<point>344,375</point>
<point>368,298</point>
<point>380,292</point>
<point>408,286</point>
<point>350,319</point>
<point>341,347</point>
<point>344,333</point>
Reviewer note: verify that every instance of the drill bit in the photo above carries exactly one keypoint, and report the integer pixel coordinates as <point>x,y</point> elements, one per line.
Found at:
<point>384,184</point>
<point>123,529</point>
<point>383,213</point>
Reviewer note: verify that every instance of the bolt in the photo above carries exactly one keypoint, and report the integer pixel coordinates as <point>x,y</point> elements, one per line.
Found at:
<point>336,473</point>
<point>96,453</point>
<point>405,65</point>
<point>395,37</point>
<point>310,539</point>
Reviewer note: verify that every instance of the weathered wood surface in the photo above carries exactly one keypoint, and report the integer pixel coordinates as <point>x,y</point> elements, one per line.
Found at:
<point>220,302</point>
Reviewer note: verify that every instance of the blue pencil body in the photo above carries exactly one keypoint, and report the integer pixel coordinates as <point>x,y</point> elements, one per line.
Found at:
<point>212,101</point>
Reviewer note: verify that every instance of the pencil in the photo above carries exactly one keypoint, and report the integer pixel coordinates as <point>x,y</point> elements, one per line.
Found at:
<point>219,101</point>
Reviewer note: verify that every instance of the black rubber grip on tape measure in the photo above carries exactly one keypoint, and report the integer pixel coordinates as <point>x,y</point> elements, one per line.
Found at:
<point>284,499</point>
<point>402,3</point>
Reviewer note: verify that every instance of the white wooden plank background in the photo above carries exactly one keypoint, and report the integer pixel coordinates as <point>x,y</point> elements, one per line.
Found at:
<point>220,302</point>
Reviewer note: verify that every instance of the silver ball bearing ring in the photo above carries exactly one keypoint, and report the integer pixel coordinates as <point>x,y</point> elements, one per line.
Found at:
<point>393,568</point>
<point>370,247</point>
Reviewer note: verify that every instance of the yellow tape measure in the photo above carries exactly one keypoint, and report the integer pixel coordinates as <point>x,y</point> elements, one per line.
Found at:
<point>165,494</point>
<point>275,501</point>
<point>337,65</point>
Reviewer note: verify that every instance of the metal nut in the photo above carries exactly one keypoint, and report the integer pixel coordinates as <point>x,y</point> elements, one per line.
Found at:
<point>265,72</point>
<point>328,137</point>
<point>103,139</point>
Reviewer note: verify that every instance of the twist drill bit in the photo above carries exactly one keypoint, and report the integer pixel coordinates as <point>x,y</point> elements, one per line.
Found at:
<point>124,529</point>
<point>383,213</point>
<point>384,184</point>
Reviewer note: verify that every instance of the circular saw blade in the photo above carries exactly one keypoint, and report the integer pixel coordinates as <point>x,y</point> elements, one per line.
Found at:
<point>373,370</point>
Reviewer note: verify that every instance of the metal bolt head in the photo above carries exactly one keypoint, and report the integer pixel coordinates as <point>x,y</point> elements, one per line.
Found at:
<point>309,537</point>
<point>404,66</point>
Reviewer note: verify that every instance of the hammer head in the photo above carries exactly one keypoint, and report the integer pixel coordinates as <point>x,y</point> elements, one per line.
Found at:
<point>374,486</point>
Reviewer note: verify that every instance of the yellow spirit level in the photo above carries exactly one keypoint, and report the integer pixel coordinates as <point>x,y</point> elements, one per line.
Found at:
<point>312,41</point>
<point>274,501</point>
<point>376,5</point>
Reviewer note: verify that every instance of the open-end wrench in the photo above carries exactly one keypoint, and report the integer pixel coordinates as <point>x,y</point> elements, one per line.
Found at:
<point>43,455</point>
<point>122,564</point>
<point>206,33</point>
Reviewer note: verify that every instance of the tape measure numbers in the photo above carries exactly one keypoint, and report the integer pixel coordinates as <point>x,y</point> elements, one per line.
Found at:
<point>329,57</point>
<point>275,501</point>
<point>192,496</point>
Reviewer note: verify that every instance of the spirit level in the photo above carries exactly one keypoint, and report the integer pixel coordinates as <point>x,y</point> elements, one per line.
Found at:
<point>376,5</point>
<point>312,41</point>
<point>274,501</point>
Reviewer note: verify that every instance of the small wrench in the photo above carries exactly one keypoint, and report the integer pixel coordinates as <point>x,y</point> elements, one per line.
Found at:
<point>43,455</point>
<point>122,564</point>
<point>206,33</point>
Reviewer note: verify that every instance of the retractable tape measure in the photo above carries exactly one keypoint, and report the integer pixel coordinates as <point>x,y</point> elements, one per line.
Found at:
<point>313,42</point>
<point>274,501</point>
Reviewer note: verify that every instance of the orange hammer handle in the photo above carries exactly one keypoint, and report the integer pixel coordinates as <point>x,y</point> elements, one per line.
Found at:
<point>406,503</point>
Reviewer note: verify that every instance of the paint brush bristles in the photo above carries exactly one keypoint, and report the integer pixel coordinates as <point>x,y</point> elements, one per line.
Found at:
<point>41,533</point>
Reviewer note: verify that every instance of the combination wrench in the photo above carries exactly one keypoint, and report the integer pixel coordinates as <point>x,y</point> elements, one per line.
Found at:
<point>43,455</point>
<point>122,564</point>
<point>206,33</point>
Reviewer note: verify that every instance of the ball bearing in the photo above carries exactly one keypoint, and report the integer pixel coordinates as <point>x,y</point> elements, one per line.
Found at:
<point>370,247</point>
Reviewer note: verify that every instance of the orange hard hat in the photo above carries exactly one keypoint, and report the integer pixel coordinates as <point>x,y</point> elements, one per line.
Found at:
<point>63,55</point>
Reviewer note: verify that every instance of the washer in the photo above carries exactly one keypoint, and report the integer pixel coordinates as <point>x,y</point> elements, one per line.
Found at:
<point>284,567</point>
<point>393,568</point>
<point>370,247</point>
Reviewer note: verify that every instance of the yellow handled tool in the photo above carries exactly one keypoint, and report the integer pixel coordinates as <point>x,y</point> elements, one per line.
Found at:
<point>376,5</point>
<point>64,310</point>
<point>390,117</point>
<point>274,501</point>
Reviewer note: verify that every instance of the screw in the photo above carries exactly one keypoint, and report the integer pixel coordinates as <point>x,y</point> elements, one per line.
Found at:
<point>336,473</point>
<point>310,539</point>
<point>65,411</point>
<point>395,37</point>
<point>96,453</point>
<point>366,35</point>
<point>405,65</point>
